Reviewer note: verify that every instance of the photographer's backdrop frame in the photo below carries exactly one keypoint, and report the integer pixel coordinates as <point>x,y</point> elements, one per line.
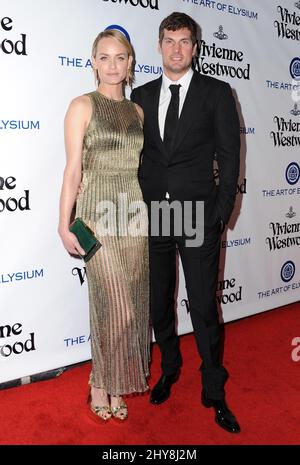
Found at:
<point>45,62</point>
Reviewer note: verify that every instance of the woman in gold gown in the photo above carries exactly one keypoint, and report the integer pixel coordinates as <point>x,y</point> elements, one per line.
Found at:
<point>104,139</point>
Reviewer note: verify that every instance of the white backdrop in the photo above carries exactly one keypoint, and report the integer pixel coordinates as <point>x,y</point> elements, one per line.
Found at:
<point>44,62</point>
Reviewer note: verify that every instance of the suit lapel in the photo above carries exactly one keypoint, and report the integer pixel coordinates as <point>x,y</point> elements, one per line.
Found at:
<point>192,106</point>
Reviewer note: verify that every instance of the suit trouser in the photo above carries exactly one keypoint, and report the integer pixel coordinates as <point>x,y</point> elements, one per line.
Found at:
<point>200,266</point>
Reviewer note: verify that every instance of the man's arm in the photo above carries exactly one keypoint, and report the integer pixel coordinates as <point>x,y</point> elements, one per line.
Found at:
<point>227,134</point>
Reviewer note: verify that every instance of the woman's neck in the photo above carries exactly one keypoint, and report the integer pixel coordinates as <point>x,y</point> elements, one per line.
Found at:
<point>112,92</point>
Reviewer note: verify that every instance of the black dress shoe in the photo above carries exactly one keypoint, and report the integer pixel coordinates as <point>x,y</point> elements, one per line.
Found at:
<point>162,389</point>
<point>224,417</point>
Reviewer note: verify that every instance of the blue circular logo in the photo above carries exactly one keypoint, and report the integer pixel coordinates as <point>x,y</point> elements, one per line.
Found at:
<point>287,271</point>
<point>119,28</point>
<point>292,173</point>
<point>295,68</point>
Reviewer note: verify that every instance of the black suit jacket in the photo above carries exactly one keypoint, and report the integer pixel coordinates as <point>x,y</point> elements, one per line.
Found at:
<point>208,125</point>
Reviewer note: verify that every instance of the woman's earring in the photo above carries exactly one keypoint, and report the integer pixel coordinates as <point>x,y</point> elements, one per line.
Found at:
<point>97,80</point>
<point>127,77</point>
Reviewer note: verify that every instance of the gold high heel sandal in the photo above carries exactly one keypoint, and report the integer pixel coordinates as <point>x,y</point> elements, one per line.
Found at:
<point>120,412</point>
<point>96,412</point>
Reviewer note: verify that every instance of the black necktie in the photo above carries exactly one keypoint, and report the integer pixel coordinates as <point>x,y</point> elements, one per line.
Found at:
<point>171,117</point>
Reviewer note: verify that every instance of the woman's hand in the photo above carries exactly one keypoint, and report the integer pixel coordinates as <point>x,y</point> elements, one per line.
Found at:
<point>71,243</point>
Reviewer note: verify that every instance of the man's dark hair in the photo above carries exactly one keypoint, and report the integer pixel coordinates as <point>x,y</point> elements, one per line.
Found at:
<point>176,21</point>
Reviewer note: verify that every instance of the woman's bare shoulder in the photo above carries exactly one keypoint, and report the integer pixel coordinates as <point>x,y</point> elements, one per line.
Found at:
<point>81,102</point>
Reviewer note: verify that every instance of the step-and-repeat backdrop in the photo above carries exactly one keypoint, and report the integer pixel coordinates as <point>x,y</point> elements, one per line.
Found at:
<point>45,62</point>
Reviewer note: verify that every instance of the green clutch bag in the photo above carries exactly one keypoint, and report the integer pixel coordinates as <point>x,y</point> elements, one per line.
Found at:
<point>86,238</point>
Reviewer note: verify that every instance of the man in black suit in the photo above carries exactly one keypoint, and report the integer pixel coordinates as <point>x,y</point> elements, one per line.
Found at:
<point>185,125</point>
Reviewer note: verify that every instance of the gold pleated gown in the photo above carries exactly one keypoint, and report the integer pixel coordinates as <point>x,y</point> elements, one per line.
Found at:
<point>118,274</point>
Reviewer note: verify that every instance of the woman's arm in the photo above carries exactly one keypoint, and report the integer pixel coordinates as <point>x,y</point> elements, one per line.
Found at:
<point>76,121</point>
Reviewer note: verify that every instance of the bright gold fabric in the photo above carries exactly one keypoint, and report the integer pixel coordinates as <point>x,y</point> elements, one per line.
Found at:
<point>118,276</point>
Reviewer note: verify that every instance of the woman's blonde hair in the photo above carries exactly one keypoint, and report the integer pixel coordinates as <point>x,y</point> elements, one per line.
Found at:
<point>115,34</point>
